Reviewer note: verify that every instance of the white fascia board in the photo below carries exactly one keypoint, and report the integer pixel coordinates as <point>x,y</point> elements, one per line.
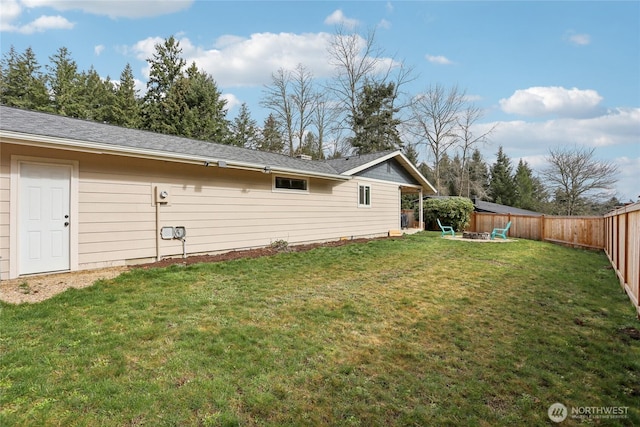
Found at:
<point>416,173</point>
<point>100,148</point>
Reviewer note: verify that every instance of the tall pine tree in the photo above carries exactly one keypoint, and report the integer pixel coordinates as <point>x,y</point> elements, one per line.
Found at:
<point>126,108</point>
<point>502,187</point>
<point>374,124</point>
<point>244,130</point>
<point>201,112</point>
<point>64,84</point>
<point>160,107</point>
<point>478,180</point>
<point>21,82</point>
<point>530,192</point>
<point>271,138</point>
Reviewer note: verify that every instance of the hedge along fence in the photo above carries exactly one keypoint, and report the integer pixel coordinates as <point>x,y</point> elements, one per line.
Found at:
<point>622,246</point>
<point>617,233</point>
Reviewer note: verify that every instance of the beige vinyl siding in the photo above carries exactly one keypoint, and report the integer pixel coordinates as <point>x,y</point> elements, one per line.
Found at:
<point>5,186</point>
<point>222,208</point>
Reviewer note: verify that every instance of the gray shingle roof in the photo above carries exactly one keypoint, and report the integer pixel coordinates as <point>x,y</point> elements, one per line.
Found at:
<point>351,162</point>
<point>51,125</point>
<point>483,206</point>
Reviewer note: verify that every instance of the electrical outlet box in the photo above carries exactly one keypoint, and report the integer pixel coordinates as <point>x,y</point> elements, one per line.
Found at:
<point>166,233</point>
<point>179,232</point>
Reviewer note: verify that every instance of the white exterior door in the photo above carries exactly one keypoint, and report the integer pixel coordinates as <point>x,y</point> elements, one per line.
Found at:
<point>43,210</point>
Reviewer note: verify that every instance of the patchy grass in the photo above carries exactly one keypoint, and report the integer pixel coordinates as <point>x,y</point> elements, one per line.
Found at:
<point>413,331</point>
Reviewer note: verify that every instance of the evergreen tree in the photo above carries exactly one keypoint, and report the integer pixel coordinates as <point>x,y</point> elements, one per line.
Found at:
<point>21,82</point>
<point>201,112</point>
<point>271,139</point>
<point>374,125</point>
<point>452,176</point>
<point>411,153</point>
<point>309,146</point>
<point>244,129</point>
<point>126,107</point>
<point>64,84</point>
<point>502,188</point>
<point>530,192</point>
<point>446,168</point>
<point>478,182</point>
<point>160,108</point>
<point>95,97</point>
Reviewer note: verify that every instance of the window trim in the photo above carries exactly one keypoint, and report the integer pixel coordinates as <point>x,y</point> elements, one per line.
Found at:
<point>290,190</point>
<point>367,195</point>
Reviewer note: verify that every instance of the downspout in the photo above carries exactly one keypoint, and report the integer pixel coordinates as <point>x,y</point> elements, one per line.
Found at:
<point>157,203</point>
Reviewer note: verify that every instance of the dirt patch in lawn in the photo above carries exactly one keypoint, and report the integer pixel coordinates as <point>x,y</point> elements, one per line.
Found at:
<point>33,289</point>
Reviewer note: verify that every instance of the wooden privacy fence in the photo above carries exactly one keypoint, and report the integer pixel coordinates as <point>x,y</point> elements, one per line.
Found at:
<point>576,231</point>
<point>622,246</point>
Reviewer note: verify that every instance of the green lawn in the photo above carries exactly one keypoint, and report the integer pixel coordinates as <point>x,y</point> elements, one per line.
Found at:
<point>413,331</point>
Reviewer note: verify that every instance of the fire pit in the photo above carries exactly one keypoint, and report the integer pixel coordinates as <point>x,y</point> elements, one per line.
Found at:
<point>476,236</point>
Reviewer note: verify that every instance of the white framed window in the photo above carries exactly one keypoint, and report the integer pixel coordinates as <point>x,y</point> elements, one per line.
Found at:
<point>364,196</point>
<point>290,184</point>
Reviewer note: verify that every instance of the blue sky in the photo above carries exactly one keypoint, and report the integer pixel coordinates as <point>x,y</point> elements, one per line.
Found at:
<point>549,74</point>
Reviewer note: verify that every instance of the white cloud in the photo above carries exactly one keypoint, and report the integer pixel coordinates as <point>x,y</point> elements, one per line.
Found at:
<point>232,101</point>
<point>45,23</point>
<point>618,127</point>
<point>614,136</point>
<point>384,24</point>
<point>237,61</point>
<point>578,39</point>
<point>554,100</point>
<point>628,178</point>
<point>338,18</point>
<point>10,10</point>
<point>98,49</point>
<point>438,59</point>
<point>115,9</point>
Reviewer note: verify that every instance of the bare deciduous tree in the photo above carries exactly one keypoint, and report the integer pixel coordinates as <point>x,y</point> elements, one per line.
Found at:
<point>303,100</point>
<point>323,116</point>
<point>359,62</point>
<point>355,59</point>
<point>574,175</point>
<point>434,121</point>
<point>278,99</point>
<point>468,142</point>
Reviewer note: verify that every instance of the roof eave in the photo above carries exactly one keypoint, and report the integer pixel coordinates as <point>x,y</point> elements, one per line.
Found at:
<point>101,148</point>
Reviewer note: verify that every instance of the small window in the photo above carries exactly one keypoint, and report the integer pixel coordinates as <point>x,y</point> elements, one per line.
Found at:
<point>364,195</point>
<point>297,184</point>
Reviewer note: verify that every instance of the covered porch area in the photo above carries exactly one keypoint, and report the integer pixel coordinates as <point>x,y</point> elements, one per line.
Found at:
<point>411,210</point>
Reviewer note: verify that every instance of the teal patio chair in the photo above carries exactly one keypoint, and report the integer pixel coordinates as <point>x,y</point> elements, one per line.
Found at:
<point>446,229</point>
<point>502,232</point>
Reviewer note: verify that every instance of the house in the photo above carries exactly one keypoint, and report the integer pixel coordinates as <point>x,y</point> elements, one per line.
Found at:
<point>78,195</point>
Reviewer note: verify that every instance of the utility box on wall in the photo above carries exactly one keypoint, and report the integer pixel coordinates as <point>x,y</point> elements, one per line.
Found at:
<point>162,194</point>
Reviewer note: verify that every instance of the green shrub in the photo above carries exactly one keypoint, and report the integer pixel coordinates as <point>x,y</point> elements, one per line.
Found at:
<point>453,211</point>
